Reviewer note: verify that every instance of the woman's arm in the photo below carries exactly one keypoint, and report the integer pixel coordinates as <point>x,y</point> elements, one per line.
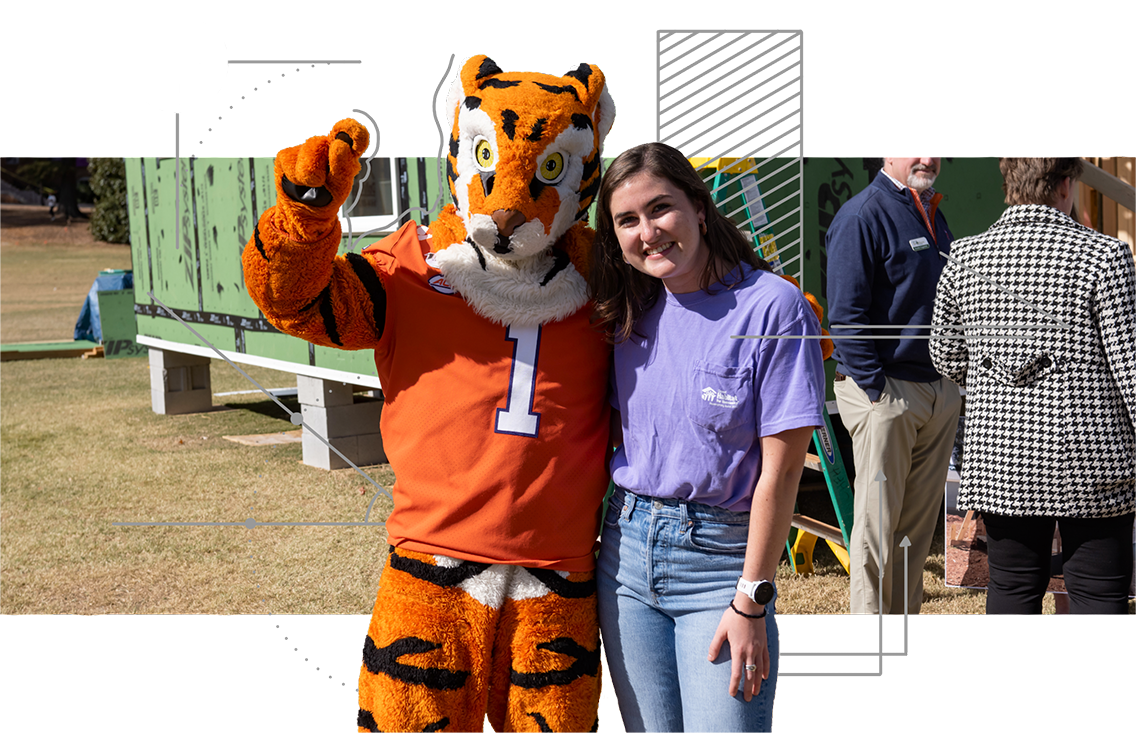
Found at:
<point>949,352</point>
<point>782,460</point>
<point>1114,306</point>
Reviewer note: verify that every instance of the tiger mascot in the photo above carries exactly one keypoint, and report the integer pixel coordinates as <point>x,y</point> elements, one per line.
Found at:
<point>495,384</point>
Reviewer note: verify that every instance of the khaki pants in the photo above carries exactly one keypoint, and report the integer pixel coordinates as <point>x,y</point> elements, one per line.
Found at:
<point>908,435</point>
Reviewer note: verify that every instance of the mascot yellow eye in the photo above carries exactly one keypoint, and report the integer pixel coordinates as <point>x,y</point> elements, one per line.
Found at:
<point>552,168</point>
<point>483,154</point>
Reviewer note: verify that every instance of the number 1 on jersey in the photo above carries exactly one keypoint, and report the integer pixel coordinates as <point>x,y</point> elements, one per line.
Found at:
<point>517,418</point>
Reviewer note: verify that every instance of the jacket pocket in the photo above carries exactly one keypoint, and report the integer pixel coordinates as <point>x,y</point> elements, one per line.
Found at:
<point>720,397</point>
<point>1017,368</point>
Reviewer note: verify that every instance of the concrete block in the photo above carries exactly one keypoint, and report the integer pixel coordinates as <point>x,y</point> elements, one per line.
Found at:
<point>319,455</point>
<point>323,393</point>
<point>362,450</point>
<point>185,378</point>
<point>180,403</point>
<point>331,410</point>
<point>370,450</point>
<point>162,359</point>
<point>360,418</point>
<point>179,383</point>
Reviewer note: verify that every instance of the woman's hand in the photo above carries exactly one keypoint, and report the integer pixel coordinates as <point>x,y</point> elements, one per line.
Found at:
<point>748,645</point>
<point>771,511</point>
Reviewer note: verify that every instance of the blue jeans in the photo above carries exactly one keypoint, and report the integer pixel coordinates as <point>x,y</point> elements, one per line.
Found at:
<point>666,574</point>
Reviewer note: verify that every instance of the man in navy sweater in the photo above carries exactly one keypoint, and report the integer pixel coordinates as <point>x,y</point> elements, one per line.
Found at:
<point>884,260</point>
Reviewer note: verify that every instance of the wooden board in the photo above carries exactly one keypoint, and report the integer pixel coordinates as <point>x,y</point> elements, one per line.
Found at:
<point>288,436</point>
<point>45,350</point>
<point>825,531</point>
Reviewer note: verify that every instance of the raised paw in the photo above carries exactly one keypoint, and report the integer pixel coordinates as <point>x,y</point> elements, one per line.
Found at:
<point>315,178</point>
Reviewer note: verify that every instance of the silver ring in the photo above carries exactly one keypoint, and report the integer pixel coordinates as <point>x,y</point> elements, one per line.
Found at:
<point>751,667</point>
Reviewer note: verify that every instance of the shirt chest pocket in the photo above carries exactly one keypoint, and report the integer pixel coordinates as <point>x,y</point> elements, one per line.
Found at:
<point>720,397</point>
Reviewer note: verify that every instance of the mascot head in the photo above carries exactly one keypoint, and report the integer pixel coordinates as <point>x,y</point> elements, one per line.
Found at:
<point>524,157</point>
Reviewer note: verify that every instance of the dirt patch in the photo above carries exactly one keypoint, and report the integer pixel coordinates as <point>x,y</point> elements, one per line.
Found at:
<point>22,224</point>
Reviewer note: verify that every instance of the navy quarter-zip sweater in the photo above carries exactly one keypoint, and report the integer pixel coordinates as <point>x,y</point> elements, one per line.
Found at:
<point>880,273</point>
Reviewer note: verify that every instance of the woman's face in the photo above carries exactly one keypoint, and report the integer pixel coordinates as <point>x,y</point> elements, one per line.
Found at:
<point>658,228</point>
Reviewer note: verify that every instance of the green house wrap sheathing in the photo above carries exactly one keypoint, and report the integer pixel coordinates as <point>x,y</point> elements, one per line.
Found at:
<point>223,224</point>
<point>191,218</point>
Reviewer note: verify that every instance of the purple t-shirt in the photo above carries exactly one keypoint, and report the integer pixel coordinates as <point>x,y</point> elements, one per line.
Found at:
<point>695,402</point>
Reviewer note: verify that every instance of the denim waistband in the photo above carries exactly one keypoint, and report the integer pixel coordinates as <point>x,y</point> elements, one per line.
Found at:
<point>680,508</point>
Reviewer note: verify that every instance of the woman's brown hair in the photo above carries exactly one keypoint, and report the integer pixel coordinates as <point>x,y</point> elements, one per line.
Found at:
<point>622,293</point>
<point>1035,180</point>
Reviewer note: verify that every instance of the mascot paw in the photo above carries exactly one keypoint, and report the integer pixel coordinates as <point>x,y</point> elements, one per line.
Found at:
<point>315,178</point>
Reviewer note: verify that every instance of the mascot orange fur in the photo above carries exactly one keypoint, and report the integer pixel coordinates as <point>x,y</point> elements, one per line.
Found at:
<point>495,383</point>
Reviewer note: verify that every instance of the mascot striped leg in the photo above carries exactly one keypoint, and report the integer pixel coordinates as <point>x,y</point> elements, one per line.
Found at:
<point>426,656</point>
<point>450,641</point>
<point>549,644</point>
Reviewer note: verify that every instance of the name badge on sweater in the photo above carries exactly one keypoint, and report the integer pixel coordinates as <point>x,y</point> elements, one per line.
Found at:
<point>919,244</point>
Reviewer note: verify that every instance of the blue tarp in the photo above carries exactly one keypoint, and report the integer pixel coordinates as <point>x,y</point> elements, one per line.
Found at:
<point>89,327</point>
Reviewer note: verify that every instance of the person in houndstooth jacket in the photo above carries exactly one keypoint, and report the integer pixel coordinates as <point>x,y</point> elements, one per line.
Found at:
<point>1036,317</point>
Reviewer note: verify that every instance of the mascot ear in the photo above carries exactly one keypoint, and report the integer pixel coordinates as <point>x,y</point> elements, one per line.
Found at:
<point>465,84</point>
<point>603,116</point>
<point>456,96</point>
<point>592,87</point>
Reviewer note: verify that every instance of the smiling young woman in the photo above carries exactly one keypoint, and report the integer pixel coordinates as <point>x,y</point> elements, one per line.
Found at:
<point>713,441</point>
<point>621,290</point>
<point>660,231</point>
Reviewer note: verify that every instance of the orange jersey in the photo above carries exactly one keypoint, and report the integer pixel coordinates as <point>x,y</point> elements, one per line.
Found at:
<point>497,435</point>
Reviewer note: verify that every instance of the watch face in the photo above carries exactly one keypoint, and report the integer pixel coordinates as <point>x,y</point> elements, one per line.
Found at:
<point>763,593</point>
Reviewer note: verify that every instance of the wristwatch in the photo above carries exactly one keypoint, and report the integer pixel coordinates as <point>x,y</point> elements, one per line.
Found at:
<point>759,591</point>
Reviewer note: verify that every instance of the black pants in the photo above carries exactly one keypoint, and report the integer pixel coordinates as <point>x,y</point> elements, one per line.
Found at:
<point>1097,556</point>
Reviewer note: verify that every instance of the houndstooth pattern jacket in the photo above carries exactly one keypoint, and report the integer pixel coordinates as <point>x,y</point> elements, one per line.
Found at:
<point>1049,419</point>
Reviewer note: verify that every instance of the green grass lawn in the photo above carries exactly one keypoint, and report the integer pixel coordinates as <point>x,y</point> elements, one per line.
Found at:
<point>82,450</point>
<point>42,287</point>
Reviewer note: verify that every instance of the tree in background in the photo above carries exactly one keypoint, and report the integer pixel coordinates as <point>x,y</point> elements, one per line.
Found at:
<point>64,177</point>
<point>109,221</point>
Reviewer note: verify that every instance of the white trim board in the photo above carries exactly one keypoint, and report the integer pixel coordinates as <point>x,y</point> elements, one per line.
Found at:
<point>307,370</point>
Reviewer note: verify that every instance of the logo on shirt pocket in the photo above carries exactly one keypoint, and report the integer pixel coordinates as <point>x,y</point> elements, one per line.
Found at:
<point>720,397</point>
